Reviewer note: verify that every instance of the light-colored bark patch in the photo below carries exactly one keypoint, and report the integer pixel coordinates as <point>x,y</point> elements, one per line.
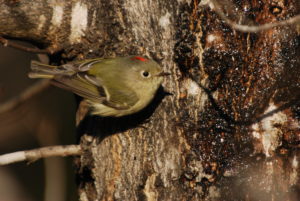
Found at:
<point>268,131</point>
<point>79,19</point>
<point>42,20</point>
<point>149,189</point>
<point>294,172</point>
<point>164,21</point>
<point>193,88</point>
<point>58,11</point>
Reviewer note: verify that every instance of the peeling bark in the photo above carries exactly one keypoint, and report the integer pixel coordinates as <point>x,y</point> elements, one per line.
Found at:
<point>230,129</point>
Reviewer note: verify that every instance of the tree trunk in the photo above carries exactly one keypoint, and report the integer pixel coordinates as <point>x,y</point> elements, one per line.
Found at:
<point>230,128</point>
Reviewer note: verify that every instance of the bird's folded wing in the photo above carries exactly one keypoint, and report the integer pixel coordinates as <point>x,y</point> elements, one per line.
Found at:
<point>111,94</point>
<point>80,87</point>
<point>119,96</point>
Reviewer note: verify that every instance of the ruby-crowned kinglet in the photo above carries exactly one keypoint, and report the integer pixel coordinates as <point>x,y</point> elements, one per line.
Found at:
<point>113,87</point>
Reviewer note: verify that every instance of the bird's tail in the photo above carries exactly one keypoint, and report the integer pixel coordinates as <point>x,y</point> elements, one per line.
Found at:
<point>40,70</point>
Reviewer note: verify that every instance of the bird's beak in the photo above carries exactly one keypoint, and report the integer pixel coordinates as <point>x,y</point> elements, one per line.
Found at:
<point>161,74</point>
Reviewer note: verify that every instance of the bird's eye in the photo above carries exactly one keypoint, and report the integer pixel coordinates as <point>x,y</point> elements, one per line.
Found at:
<point>145,74</point>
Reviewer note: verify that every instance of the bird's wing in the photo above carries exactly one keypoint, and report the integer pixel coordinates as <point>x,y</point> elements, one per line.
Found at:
<point>117,94</point>
<point>120,97</point>
<point>80,87</point>
<point>111,94</point>
<point>106,87</point>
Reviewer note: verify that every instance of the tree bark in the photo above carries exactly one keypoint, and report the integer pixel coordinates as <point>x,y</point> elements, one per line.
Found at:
<point>230,128</point>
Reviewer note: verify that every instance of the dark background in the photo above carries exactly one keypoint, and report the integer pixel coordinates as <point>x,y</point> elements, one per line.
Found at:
<point>45,119</point>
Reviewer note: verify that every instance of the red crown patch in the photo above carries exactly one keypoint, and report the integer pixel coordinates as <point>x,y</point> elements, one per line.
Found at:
<point>139,58</point>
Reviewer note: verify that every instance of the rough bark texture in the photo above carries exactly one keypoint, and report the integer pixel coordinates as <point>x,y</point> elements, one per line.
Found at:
<point>230,129</point>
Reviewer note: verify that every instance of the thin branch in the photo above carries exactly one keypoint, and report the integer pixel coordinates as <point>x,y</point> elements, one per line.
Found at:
<point>248,28</point>
<point>35,154</point>
<point>9,43</point>
<point>25,95</point>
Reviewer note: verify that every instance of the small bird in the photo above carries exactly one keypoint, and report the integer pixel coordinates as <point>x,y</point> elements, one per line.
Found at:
<point>113,87</point>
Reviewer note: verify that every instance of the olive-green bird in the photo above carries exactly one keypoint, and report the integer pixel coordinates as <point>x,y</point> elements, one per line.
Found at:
<point>113,87</point>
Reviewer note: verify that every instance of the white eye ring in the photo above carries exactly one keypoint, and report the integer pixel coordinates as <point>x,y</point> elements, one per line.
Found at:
<point>145,74</point>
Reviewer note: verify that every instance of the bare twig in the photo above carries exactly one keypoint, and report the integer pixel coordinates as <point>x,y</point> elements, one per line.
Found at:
<point>25,95</point>
<point>250,28</point>
<point>8,43</point>
<point>35,154</point>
